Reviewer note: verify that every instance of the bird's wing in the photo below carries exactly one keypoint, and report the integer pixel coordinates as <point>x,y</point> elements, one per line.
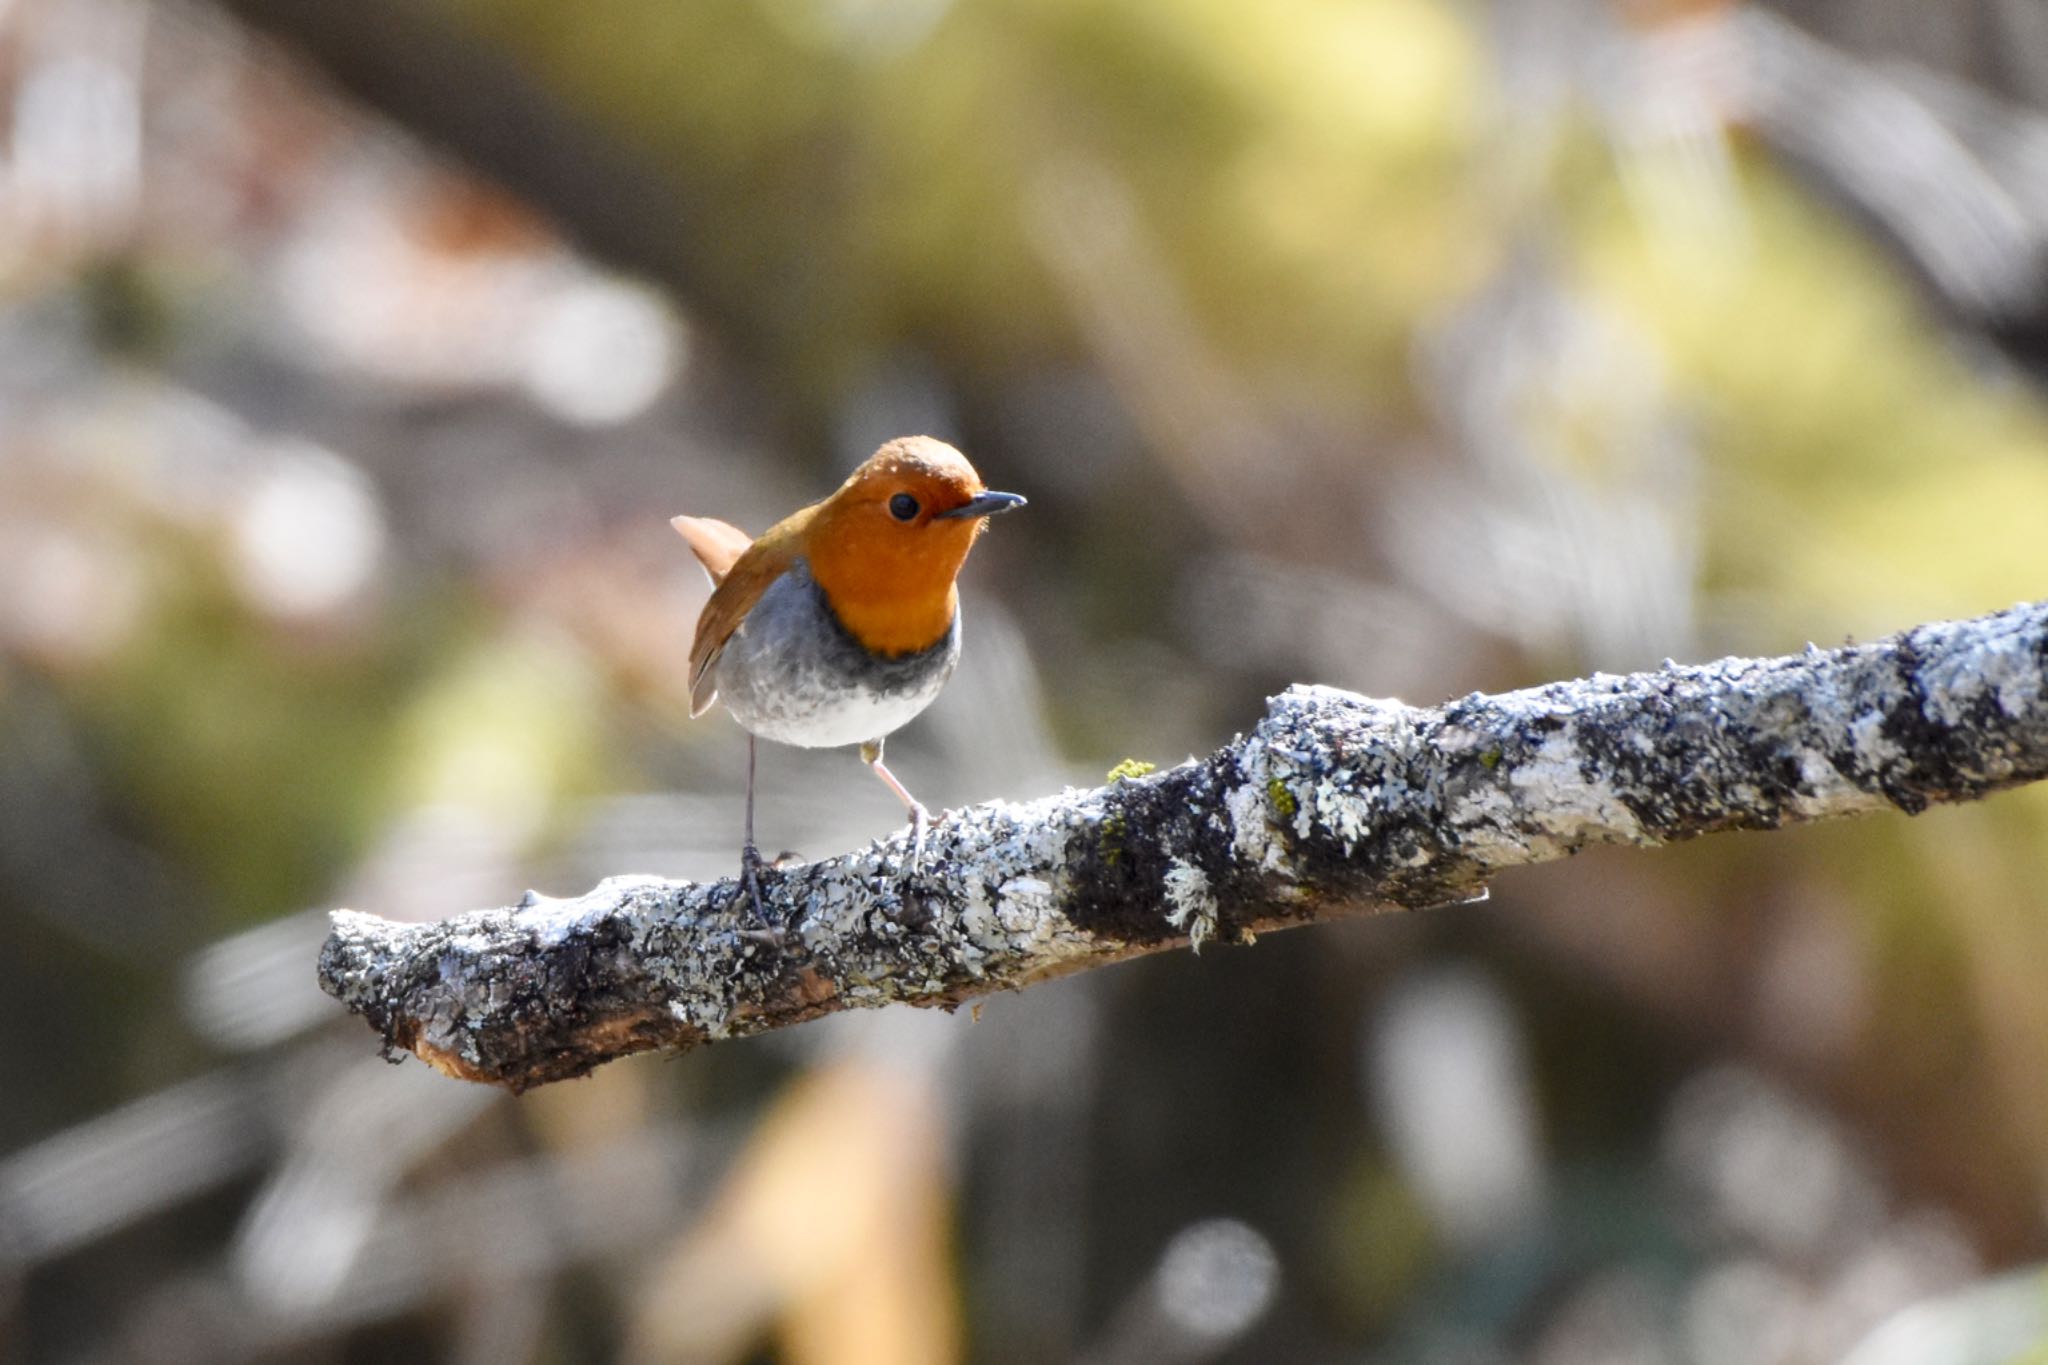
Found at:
<point>747,574</point>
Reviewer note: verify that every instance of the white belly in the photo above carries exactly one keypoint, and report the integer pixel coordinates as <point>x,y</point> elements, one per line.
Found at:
<point>792,674</point>
<point>852,717</point>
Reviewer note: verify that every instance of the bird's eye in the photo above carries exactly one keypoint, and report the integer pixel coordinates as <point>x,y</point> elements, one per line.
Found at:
<point>903,507</point>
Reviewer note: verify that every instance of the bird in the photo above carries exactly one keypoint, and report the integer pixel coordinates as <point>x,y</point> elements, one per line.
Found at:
<point>842,621</point>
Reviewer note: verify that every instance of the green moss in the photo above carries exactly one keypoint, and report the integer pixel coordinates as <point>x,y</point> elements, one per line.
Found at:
<point>1113,826</point>
<point>1282,799</point>
<point>1490,759</point>
<point>1130,767</point>
<point>1113,829</point>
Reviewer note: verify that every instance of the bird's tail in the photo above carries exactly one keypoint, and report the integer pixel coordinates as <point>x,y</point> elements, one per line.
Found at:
<point>717,544</point>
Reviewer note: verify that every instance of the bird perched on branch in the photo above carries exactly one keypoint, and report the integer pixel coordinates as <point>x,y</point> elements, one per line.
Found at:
<point>842,621</point>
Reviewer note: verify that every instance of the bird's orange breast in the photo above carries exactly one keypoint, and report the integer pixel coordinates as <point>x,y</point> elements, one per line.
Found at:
<point>891,587</point>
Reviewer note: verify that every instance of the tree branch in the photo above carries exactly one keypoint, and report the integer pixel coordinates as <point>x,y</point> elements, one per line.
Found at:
<point>1334,805</point>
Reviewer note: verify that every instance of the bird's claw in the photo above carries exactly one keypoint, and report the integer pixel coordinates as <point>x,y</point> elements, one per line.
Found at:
<point>750,880</point>
<point>750,877</point>
<point>920,823</point>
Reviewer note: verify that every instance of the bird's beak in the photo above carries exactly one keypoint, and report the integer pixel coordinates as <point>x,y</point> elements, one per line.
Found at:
<point>983,505</point>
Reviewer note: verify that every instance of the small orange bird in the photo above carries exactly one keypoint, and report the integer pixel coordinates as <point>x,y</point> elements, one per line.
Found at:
<point>842,621</point>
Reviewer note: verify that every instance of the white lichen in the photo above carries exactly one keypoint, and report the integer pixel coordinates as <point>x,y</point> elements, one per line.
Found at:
<point>1485,823</point>
<point>551,920</point>
<point>1251,832</point>
<point>1873,748</point>
<point>1193,904</point>
<point>1826,791</point>
<point>1251,837</point>
<point>1555,795</point>
<point>1347,814</point>
<point>1954,680</point>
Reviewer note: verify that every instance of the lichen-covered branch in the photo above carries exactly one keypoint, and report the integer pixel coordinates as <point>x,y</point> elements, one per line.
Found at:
<point>1334,804</point>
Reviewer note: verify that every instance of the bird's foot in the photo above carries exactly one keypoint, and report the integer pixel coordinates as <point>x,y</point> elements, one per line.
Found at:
<point>750,877</point>
<point>750,881</point>
<point>920,824</point>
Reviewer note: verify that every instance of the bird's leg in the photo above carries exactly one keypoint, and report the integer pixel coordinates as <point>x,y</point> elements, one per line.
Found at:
<point>920,818</point>
<point>750,855</point>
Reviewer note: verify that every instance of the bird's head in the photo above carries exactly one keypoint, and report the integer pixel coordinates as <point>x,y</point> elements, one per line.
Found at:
<point>888,544</point>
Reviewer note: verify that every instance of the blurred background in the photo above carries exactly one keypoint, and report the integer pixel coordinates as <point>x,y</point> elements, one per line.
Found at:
<point>353,357</point>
